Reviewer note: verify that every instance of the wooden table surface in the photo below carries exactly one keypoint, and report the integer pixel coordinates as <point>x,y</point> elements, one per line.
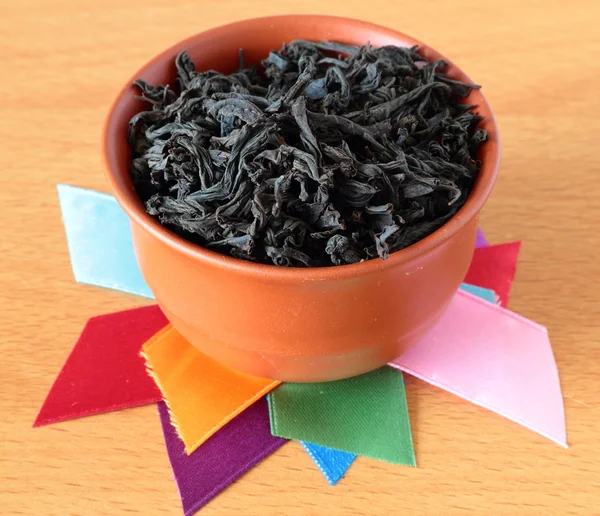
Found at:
<point>62,62</point>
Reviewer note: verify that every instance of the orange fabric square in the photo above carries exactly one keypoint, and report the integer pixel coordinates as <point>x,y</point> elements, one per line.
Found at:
<point>201,394</point>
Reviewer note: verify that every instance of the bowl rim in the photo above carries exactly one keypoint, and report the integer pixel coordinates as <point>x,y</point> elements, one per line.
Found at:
<point>131,204</point>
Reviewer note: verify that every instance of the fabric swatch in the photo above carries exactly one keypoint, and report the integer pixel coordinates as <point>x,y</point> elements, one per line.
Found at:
<point>226,456</point>
<point>493,267</point>
<point>99,240</point>
<point>480,240</point>
<point>104,371</point>
<point>201,394</point>
<point>365,415</point>
<point>483,293</point>
<point>332,463</point>
<point>496,359</point>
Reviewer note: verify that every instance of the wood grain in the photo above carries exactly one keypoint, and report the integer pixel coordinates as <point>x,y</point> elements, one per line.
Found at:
<point>63,61</point>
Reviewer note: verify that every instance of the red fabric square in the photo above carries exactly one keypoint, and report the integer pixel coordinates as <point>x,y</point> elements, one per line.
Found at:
<point>105,371</point>
<point>494,267</point>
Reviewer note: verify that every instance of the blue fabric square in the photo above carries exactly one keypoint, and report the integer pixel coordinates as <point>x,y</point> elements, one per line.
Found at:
<point>332,463</point>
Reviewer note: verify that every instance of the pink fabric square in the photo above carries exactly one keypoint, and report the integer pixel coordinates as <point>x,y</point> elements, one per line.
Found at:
<point>493,358</point>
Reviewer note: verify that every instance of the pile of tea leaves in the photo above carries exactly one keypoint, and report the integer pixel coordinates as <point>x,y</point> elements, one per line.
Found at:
<point>329,155</point>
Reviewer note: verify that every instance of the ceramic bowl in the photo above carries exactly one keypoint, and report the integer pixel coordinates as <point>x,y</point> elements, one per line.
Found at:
<point>295,324</point>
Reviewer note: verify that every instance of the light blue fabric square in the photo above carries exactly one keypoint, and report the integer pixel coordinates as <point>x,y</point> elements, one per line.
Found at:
<point>483,293</point>
<point>99,240</point>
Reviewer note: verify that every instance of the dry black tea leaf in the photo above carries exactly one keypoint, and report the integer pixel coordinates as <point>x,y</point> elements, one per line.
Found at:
<point>331,154</point>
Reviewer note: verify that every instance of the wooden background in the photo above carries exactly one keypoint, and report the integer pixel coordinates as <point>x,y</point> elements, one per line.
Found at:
<point>63,61</point>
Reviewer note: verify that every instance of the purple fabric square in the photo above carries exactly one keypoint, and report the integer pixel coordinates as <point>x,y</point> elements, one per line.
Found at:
<point>227,455</point>
<point>481,240</point>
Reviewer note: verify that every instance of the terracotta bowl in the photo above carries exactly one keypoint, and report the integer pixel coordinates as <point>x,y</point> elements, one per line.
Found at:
<point>294,324</point>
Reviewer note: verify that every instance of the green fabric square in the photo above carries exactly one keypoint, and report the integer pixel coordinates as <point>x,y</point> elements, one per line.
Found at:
<point>366,415</point>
